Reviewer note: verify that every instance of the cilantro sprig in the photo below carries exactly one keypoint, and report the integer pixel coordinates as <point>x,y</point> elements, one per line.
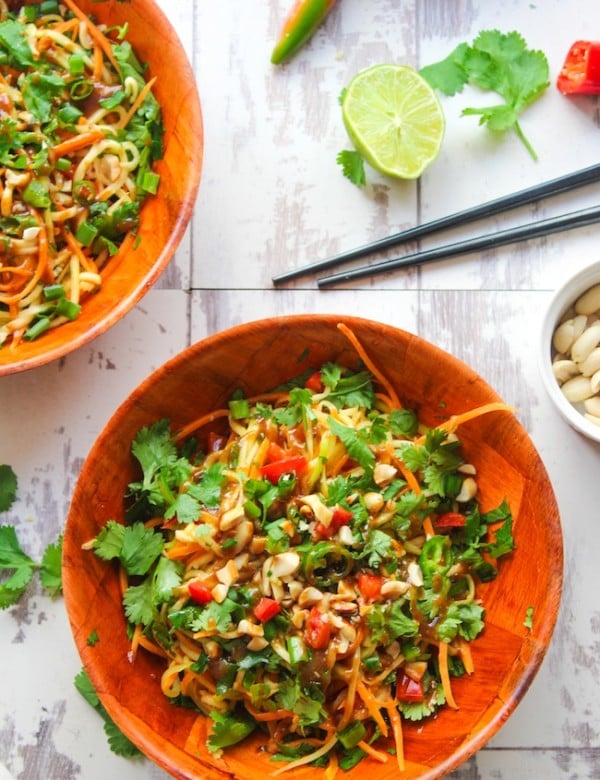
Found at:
<point>497,62</point>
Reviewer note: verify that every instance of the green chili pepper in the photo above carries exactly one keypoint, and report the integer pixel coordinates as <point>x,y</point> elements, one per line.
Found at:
<point>301,22</point>
<point>81,89</point>
<point>326,563</point>
<point>436,556</point>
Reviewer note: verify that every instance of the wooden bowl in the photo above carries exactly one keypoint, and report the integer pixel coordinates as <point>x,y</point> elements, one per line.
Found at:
<point>164,217</point>
<point>258,356</point>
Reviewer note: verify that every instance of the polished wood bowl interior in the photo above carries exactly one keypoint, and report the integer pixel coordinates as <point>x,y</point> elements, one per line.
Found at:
<point>258,356</point>
<point>164,217</point>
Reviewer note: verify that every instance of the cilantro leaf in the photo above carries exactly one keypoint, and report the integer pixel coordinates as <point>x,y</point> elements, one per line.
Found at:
<point>353,166</point>
<point>353,389</point>
<point>117,741</point>
<point>463,619</point>
<point>208,490</point>
<point>229,729</point>
<point>51,568</point>
<point>139,603</point>
<point>8,487</point>
<point>500,63</point>
<point>355,445</point>
<point>136,546</point>
<point>13,559</point>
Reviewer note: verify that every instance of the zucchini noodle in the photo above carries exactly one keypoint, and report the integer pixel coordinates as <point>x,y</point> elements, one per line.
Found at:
<point>313,566</point>
<point>80,131</point>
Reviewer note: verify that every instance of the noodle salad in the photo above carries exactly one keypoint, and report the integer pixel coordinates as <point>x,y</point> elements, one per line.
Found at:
<point>79,132</point>
<point>306,563</point>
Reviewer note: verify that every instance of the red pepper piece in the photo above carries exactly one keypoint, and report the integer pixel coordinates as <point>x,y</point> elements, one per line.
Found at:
<point>409,690</point>
<point>580,74</point>
<point>450,520</point>
<point>315,383</point>
<point>301,22</point>
<point>317,631</point>
<point>266,609</point>
<point>273,471</point>
<point>341,516</point>
<point>369,585</point>
<point>200,593</point>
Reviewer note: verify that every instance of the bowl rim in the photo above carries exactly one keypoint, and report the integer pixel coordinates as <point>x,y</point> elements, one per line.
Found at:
<point>535,649</point>
<point>563,297</point>
<point>151,271</point>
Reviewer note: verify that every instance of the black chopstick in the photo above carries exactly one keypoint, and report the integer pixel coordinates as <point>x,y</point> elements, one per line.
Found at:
<point>547,189</point>
<point>521,233</point>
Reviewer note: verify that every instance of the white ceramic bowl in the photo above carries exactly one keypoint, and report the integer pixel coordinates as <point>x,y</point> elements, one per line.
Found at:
<point>564,298</point>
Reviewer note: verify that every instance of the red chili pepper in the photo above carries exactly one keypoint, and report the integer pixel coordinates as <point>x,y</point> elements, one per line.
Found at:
<point>409,690</point>
<point>317,632</point>
<point>200,593</point>
<point>580,74</point>
<point>315,383</point>
<point>266,609</point>
<point>450,520</point>
<point>301,22</point>
<point>273,471</point>
<point>369,585</point>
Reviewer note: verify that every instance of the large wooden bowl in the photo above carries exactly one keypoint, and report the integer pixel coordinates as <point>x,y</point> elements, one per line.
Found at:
<point>257,356</point>
<point>164,217</point>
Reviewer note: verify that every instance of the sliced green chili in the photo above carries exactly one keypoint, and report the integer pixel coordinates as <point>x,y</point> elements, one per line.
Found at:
<point>326,563</point>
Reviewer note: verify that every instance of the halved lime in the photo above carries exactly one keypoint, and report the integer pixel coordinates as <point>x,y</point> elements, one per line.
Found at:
<point>394,120</point>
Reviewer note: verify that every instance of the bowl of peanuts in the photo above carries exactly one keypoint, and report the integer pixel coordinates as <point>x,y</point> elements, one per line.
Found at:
<point>570,351</point>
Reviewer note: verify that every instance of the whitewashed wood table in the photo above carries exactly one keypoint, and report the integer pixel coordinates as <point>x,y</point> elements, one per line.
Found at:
<point>272,197</point>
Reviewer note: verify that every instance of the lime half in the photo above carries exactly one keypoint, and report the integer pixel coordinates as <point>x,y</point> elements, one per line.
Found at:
<point>394,120</point>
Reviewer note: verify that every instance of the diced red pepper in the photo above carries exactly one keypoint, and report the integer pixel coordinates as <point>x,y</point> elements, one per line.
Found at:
<point>369,585</point>
<point>315,383</point>
<point>266,609</point>
<point>199,592</point>
<point>409,690</point>
<point>580,74</point>
<point>341,516</point>
<point>273,471</point>
<point>450,520</point>
<point>317,631</point>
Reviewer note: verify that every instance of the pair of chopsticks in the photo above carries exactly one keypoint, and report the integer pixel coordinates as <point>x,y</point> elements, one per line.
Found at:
<point>545,227</point>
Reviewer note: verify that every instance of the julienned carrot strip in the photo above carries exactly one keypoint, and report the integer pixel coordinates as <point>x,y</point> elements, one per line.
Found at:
<point>396,722</point>
<point>458,419</point>
<point>94,32</point>
<point>383,381</point>
<point>332,767</point>
<point>445,674</point>
<point>264,717</point>
<point>75,143</point>
<point>371,751</point>
<point>123,581</point>
<point>136,103</point>
<point>372,705</point>
<point>465,655</point>
<point>135,641</point>
<point>200,422</point>
<point>76,249</point>
<point>151,646</point>
<point>40,270</point>
<point>411,480</point>
<point>351,689</point>
<point>428,527</point>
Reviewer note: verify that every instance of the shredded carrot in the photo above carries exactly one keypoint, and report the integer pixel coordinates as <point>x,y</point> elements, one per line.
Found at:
<point>42,269</point>
<point>181,550</point>
<point>428,527</point>
<point>94,32</point>
<point>75,143</point>
<point>200,422</point>
<point>332,767</point>
<point>458,419</point>
<point>411,480</point>
<point>279,714</point>
<point>372,705</point>
<point>98,63</point>
<point>151,646</point>
<point>136,103</point>
<point>370,365</point>
<point>123,582</point>
<point>445,674</point>
<point>396,722</point>
<point>135,640</point>
<point>378,755</point>
<point>466,657</point>
<point>75,247</point>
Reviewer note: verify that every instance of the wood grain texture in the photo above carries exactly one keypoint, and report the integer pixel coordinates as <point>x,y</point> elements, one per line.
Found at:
<point>256,357</point>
